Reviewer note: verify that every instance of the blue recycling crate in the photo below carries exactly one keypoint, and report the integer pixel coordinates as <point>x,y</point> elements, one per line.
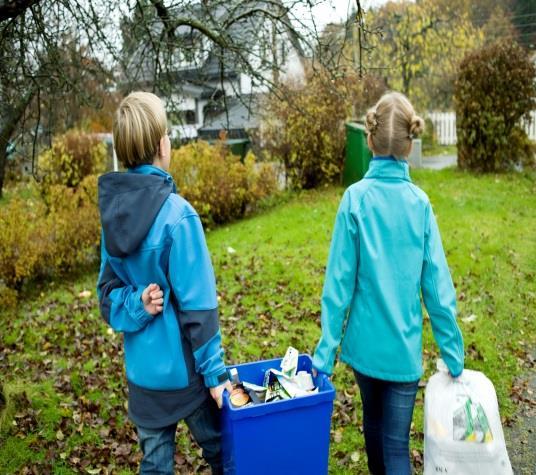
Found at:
<point>281,437</point>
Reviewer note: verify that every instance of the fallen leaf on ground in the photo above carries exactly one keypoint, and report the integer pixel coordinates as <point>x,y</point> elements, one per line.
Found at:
<point>470,318</point>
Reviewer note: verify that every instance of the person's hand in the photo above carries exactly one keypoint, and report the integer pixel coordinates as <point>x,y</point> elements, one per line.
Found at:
<point>217,392</point>
<point>152,299</point>
<point>314,372</point>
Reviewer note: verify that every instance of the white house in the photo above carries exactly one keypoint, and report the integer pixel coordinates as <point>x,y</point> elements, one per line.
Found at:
<point>214,93</point>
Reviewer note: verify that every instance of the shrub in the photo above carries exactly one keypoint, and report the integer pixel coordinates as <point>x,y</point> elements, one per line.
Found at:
<point>23,240</point>
<point>45,240</point>
<point>494,91</point>
<point>56,229</point>
<point>73,225</point>
<point>73,156</point>
<point>429,137</point>
<point>305,128</point>
<point>217,183</point>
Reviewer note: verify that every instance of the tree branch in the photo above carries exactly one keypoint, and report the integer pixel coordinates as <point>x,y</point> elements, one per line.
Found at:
<point>171,24</point>
<point>14,8</point>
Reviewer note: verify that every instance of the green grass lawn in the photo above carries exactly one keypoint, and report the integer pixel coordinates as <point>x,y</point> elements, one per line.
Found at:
<point>62,367</point>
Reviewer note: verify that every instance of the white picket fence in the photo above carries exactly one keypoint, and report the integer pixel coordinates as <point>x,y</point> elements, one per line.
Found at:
<point>530,126</point>
<point>445,126</point>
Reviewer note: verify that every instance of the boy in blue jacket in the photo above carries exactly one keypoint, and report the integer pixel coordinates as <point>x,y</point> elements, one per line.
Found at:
<point>157,286</point>
<point>386,250</point>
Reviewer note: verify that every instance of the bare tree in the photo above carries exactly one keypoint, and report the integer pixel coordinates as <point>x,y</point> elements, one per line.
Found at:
<point>141,42</point>
<point>170,44</point>
<point>47,51</point>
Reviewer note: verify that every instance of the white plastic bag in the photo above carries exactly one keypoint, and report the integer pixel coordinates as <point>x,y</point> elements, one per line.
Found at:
<point>462,427</point>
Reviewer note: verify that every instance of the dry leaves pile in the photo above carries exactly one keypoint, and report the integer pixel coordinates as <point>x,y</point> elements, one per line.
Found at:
<point>77,416</point>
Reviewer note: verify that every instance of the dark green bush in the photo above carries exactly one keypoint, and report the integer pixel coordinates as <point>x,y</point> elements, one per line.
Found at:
<point>495,90</point>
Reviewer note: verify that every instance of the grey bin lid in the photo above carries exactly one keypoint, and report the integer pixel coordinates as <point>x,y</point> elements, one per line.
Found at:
<point>355,126</point>
<point>232,141</point>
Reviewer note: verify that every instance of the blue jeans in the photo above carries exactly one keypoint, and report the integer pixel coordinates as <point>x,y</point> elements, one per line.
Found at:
<point>387,413</point>
<point>158,445</point>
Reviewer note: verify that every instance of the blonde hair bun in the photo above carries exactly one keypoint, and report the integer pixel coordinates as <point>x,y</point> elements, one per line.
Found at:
<point>391,124</point>
<point>371,121</point>
<point>416,127</point>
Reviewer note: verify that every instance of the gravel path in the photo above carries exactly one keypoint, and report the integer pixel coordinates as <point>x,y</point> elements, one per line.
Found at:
<point>438,162</point>
<point>521,436</point>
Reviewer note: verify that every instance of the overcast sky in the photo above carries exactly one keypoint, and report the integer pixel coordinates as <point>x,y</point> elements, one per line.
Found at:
<point>336,10</point>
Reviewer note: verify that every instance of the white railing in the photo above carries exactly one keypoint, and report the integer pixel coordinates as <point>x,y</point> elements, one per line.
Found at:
<point>530,127</point>
<point>445,127</point>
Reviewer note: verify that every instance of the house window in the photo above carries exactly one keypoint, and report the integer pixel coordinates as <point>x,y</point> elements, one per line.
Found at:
<point>183,117</point>
<point>189,117</point>
<point>215,106</point>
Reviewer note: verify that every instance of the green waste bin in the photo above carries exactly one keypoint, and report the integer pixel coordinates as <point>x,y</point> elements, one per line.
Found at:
<point>358,154</point>
<point>238,147</point>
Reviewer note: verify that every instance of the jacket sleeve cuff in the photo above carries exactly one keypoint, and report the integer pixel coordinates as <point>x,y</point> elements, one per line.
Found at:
<point>140,315</point>
<point>215,379</point>
<point>455,370</point>
<point>321,366</point>
<point>454,365</point>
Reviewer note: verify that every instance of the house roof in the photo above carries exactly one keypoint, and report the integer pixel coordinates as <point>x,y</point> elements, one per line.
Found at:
<point>244,32</point>
<point>198,90</point>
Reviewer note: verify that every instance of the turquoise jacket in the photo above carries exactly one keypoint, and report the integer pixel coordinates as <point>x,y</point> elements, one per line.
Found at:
<point>386,250</point>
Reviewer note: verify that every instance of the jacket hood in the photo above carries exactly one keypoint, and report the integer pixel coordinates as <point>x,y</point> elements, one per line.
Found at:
<point>129,203</point>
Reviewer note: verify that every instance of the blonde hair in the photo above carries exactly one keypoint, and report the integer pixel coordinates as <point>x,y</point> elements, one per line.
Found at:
<point>139,123</point>
<point>392,124</point>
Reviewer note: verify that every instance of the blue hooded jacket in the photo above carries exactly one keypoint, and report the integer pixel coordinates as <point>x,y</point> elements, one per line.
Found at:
<point>386,250</point>
<point>152,235</point>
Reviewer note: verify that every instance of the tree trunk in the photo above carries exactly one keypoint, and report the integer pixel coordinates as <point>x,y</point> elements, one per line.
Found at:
<point>275,59</point>
<point>5,134</point>
<point>2,399</point>
<point>9,124</point>
<point>406,77</point>
<point>3,161</point>
<point>406,81</point>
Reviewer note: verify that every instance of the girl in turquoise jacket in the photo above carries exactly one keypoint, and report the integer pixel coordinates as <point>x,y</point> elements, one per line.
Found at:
<point>385,253</point>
